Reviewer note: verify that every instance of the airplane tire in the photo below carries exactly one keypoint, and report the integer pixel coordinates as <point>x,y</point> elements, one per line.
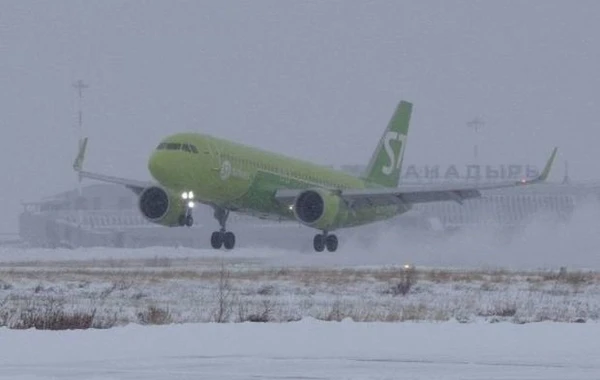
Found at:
<point>229,240</point>
<point>189,221</point>
<point>319,243</point>
<point>331,242</point>
<point>216,240</point>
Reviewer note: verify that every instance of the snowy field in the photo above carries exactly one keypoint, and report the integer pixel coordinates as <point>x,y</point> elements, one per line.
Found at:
<point>105,288</point>
<point>475,307</point>
<point>307,349</point>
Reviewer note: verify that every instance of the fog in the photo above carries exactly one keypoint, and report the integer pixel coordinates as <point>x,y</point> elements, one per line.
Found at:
<point>542,244</point>
<point>315,80</point>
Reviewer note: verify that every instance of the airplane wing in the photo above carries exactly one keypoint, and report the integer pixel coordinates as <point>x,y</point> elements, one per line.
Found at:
<point>135,185</point>
<point>356,198</point>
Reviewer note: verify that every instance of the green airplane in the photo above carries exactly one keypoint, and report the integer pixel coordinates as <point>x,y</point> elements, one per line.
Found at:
<point>191,167</point>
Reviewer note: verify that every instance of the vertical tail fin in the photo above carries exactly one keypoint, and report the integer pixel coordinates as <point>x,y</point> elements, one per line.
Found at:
<point>386,162</point>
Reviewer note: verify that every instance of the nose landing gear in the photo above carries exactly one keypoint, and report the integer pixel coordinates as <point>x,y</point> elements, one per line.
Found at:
<point>186,219</point>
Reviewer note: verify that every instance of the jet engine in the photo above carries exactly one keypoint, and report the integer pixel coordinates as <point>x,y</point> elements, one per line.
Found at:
<point>320,209</point>
<point>161,206</point>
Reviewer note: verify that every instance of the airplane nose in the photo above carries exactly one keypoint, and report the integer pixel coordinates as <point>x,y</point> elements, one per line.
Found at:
<point>155,167</point>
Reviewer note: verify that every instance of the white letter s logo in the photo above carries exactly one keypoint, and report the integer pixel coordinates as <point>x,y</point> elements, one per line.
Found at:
<point>394,159</point>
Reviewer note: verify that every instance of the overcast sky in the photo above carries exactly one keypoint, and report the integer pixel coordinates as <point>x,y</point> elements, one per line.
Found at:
<point>316,80</point>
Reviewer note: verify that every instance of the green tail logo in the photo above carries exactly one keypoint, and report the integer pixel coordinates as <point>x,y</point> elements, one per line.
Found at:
<point>386,162</point>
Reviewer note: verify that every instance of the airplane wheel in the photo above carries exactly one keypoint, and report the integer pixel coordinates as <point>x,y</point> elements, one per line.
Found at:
<point>229,240</point>
<point>319,243</point>
<point>216,239</point>
<point>331,242</point>
<point>189,221</point>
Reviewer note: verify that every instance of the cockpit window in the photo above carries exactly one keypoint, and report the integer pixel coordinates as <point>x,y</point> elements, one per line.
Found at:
<point>173,146</point>
<point>177,146</point>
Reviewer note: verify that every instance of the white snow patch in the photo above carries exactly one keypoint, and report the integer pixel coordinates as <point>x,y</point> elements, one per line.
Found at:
<point>306,349</point>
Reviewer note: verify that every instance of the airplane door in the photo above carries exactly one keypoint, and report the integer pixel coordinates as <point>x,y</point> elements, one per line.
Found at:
<point>210,154</point>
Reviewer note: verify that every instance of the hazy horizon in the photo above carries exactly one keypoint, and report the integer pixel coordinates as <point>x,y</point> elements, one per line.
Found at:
<point>314,80</point>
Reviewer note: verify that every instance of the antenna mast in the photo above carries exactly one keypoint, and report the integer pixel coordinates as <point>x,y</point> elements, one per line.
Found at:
<point>476,125</point>
<point>79,86</point>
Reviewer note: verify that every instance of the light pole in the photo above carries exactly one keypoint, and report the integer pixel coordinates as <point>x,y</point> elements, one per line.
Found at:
<point>79,86</point>
<point>476,125</point>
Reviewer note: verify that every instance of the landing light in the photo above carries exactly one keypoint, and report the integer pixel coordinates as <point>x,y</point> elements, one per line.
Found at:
<point>191,204</point>
<point>187,195</point>
<point>291,207</point>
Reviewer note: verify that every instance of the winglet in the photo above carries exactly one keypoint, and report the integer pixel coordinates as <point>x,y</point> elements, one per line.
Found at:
<point>548,166</point>
<point>78,163</point>
<point>544,175</point>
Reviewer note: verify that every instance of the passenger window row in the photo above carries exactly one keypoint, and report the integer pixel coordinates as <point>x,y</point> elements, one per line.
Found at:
<point>177,146</point>
<point>245,163</point>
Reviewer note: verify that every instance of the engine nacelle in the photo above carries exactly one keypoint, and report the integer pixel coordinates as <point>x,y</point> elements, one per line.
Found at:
<point>160,206</point>
<point>320,209</point>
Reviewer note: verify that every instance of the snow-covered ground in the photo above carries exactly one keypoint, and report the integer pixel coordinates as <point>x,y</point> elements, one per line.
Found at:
<point>471,293</point>
<point>166,285</point>
<point>307,349</point>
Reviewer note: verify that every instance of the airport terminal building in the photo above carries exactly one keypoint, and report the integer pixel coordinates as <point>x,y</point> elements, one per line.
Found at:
<point>108,215</point>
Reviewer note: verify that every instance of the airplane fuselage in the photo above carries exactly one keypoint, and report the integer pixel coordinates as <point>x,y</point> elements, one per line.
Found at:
<point>228,176</point>
<point>244,179</point>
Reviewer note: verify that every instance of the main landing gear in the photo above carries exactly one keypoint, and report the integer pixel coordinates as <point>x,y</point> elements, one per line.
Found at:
<point>325,240</point>
<point>222,238</point>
